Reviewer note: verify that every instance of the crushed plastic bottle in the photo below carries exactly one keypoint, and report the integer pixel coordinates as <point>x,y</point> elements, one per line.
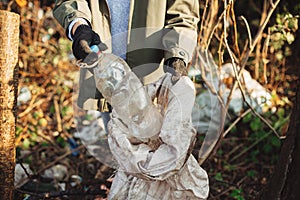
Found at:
<point>126,94</point>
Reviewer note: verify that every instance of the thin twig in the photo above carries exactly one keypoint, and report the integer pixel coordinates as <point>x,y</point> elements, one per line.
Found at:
<point>25,170</point>
<point>202,21</point>
<point>236,121</point>
<point>236,44</point>
<point>57,114</point>
<point>31,106</point>
<point>264,56</point>
<point>258,140</point>
<point>59,158</point>
<point>249,31</point>
<point>213,31</point>
<point>251,146</point>
<point>259,32</point>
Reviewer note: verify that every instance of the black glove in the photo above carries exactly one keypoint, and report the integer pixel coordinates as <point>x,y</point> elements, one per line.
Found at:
<point>83,38</point>
<point>176,67</point>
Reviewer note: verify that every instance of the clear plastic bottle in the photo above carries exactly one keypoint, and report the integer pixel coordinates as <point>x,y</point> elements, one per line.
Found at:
<point>127,95</point>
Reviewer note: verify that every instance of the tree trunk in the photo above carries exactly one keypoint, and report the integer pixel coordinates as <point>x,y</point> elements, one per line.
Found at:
<point>285,182</point>
<point>9,42</point>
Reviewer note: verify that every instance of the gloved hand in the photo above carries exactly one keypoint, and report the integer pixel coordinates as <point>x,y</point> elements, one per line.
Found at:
<point>83,38</point>
<point>178,68</point>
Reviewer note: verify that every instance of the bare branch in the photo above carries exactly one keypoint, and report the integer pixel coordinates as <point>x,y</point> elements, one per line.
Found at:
<point>238,75</point>
<point>248,30</point>
<point>236,121</point>
<point>259,32</point>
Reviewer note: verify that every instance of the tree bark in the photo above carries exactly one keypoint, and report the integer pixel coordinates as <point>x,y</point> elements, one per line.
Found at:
<point>9,42</point>
<point>285,182</point>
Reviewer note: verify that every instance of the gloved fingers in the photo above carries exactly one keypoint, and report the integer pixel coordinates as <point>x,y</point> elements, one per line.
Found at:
<point>177,68</point>
<point>102,46</point>
<point>84,37</point>
<point>95,40</point>
<point>90,57</point>
<point>85,47</point>
<point>80,48</point>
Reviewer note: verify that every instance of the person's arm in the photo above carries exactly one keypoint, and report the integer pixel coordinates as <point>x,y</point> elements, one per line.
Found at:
<point>75,17</point>
<point>74,25</point>
<point>182,18</point>
<point>67,11</point>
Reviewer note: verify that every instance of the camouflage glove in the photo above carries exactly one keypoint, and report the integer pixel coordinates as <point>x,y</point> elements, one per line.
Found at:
<point>176,67</point>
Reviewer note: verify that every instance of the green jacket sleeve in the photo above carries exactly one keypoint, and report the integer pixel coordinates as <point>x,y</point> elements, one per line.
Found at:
<point>182,18</point>
<point>66,11</point>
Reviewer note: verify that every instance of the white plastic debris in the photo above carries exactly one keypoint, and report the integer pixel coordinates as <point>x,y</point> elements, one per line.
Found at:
<point>94,138</point>
<point>24,95</point>
<point>57,172</point>
<point>255,94</point>
<point>75,180</point>
<point>206,103</point>
<point>20,175</point>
